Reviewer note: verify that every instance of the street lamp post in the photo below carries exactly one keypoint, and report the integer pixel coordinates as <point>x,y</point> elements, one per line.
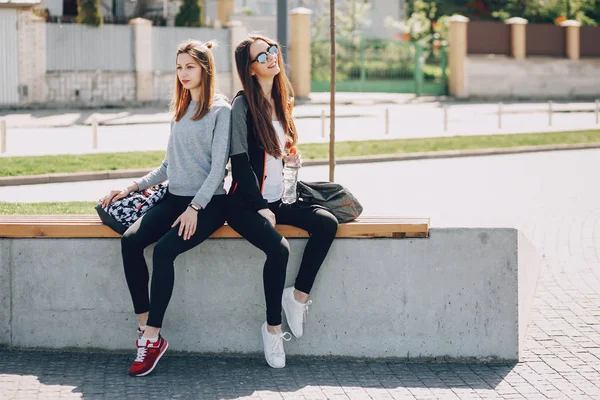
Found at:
<point>282,23</point>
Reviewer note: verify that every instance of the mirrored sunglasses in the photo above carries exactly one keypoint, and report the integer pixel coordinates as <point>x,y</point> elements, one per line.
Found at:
<point>264,56</point>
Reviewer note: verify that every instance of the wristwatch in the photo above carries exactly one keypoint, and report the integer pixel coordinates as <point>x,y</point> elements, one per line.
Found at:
<point>194,207</point>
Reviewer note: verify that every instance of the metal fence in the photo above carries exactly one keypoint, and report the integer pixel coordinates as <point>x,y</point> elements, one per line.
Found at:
<point>166,39</point>
<point>380,66</point>
<point>75,47</point>
<point>9,66</point>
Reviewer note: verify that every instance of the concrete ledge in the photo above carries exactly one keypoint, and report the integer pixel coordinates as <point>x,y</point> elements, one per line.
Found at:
<point>461,294</point>
<point>5,292</point>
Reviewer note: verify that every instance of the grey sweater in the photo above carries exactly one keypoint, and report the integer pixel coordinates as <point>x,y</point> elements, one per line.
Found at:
<point>196,154</point>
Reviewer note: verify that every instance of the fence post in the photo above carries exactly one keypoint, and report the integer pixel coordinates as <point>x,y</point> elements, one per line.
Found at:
<point>94,133</point>
<point>572,38</point>
<point>457,40</point>
<point>387,121</point>
<point>445,118</point>
<point>142,48</point>
<point>499,115</point>
<point>518,37</point>
<point>299,54</point>
<point>224,9</point>
<point>418,69</point>
<point>32,45</point>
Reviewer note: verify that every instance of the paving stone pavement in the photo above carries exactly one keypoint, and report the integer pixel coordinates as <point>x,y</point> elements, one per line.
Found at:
<point>562,356</point>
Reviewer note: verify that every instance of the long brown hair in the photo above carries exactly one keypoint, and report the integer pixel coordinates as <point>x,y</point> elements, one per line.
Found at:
<point>260,106</point>
<point>180,101</point>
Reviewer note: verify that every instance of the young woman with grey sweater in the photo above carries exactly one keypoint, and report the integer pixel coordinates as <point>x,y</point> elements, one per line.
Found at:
<point>195,204</point>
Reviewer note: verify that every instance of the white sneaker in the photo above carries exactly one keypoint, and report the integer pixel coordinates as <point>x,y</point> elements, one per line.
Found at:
<point>295,312</point>
<point>273,344</point>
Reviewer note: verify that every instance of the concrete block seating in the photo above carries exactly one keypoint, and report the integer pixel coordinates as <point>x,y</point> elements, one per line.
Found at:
<point>390,288</point>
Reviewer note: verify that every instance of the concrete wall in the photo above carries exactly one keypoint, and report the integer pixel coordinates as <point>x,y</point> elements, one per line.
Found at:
<point>5,292</point>
<point>500,77</point>
<point>163,85</point>
<point>91,88</point>
<point>106,88</point>
<point>265,25</point>
<point>79,47</point>
<point>32,67</point>
<point>458,294</point>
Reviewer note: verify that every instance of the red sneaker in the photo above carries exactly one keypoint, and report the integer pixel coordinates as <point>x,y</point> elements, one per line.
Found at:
<point>148,354</point>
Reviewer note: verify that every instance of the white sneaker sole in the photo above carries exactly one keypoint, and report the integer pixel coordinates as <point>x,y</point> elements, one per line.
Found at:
<point>273,366</point>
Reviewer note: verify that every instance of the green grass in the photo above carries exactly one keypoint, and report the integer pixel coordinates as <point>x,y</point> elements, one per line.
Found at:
<point>74,207</point>
<point>36,165</point>
<point>399,146</point>
<point>20,166</point>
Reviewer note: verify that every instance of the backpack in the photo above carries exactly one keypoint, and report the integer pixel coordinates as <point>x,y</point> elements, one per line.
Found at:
<point>122,213</point>
<point>331,196</point>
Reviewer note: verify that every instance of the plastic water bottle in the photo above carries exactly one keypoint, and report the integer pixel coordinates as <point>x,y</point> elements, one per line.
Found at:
<point>290,177</point>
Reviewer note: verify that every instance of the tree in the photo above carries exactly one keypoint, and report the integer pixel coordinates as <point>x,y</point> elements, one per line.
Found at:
<point>549,11</point>
<point>190,14</point>
<point>88,12</point>
<point>351,18</point>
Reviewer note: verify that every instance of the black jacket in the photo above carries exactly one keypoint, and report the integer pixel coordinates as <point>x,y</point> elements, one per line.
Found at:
<point>248,158</point>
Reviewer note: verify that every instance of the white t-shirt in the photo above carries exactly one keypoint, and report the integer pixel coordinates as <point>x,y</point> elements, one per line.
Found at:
<point>273,186</point>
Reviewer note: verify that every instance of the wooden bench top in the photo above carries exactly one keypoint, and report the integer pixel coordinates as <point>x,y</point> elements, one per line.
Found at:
<point>90,226</point>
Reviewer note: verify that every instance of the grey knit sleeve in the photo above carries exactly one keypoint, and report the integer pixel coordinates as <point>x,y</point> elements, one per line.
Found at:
<point>219,155</point>
<point>159,175</point>
<point>239,126</point>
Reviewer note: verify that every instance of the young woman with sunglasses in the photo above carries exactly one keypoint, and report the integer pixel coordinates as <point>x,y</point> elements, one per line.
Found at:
<point>262,129</point>
<point>195,204</point>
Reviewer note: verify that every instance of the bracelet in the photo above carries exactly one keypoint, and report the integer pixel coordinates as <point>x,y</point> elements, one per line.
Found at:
<point>194,207</point>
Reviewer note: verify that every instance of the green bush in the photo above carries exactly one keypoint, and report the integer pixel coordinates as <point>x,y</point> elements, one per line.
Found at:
<point>88,12</point>
<point>190,14</point>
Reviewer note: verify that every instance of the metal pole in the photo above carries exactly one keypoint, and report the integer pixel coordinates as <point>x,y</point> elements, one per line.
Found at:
<point>94,133</point>
<point>3,135</point>
<point>322,123</point>
<point>550,113</point>
<point>282,26</point>
<point>499,115</point>
<point>387,121</point>
<point>332,94</point>
<point>445,118</point>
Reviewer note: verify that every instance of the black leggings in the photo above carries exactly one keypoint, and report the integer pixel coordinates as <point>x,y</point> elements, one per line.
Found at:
<point>321,226</point>
<point>155,226</point>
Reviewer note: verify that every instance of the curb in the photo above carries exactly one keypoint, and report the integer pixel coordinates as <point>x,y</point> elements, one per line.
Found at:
<point>430,155</point>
